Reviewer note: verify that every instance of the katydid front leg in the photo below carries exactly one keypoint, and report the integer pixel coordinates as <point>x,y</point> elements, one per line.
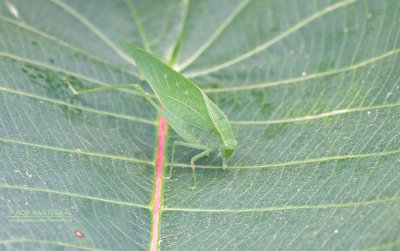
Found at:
<point>112,87</point>
<point>99,89</point>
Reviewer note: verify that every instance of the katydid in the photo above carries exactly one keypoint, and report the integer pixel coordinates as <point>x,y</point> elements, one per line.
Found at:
<point>186,108</point>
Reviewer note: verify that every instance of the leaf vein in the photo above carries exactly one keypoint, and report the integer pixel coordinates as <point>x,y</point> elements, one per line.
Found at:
<point>57,69</point>
<point>60,149</point>
<point>59,102</point>
<point>272,41</point>
<point>298,162</point>
<point>317,116</point>
<point>311,76</point>
<point>75,195</point>
<point>214,36</point>
<point>59,243</point>
<point>299,207</point>
<point>65,44</point>
<point>93,28</point>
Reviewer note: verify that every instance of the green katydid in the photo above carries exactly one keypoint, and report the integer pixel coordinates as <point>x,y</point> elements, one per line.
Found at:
<point>187,109</point>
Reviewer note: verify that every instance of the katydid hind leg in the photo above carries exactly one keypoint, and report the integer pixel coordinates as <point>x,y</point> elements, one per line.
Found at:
<point>196,157</point>
<point>180,143</point>
<point>171,166</point>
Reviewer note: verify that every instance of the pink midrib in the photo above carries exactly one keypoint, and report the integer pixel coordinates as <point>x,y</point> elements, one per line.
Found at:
<point>162,129</point>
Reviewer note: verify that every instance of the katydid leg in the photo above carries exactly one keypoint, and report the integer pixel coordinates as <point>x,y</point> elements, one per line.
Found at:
<point>181,143</point>
<point>138,88</point>
<point>99,89</point>
<point>112,87</point>
<point>151,101</point>
<point>196,157</point>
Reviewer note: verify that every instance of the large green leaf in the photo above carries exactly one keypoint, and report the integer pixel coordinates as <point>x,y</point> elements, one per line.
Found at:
<point>311,87</point>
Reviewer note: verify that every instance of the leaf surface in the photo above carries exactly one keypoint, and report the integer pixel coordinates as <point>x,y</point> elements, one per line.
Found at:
<point>311,89</point>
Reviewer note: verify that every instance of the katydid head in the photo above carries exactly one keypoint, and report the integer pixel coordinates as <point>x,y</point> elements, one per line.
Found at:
<point>227,148</point>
